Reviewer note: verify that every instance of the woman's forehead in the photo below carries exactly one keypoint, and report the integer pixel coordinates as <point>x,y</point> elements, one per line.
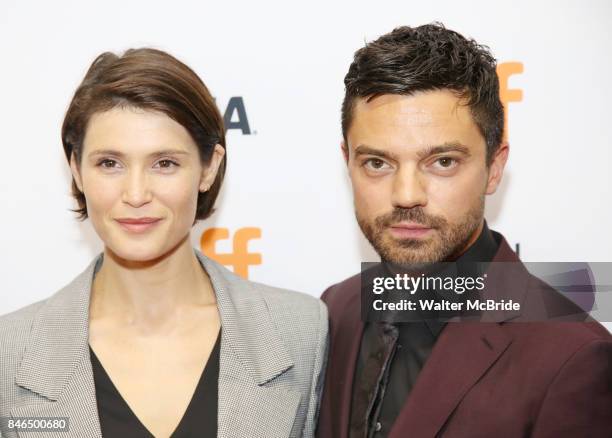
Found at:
<point>134,131</point>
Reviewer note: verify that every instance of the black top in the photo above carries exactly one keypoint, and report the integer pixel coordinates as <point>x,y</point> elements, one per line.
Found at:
<point>392,355</point>
<point>200,418</point>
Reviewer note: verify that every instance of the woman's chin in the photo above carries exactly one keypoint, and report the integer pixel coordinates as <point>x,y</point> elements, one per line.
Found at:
<point>135,254</point>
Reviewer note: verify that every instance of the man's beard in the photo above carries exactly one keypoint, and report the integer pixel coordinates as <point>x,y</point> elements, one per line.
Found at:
<point>445,244</point>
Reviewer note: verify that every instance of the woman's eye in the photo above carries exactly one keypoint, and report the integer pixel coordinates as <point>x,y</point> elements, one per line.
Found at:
<point>166,164</point>
<point>107,163</point>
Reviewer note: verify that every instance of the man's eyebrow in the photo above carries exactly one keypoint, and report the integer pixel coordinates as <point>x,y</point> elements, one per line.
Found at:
<point>152,154</point>
<point>424,153</point>
<point>363,149</point>
<point>444,148</point>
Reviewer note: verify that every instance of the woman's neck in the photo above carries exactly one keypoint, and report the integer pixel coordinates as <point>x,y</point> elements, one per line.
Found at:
<point>150,294</point>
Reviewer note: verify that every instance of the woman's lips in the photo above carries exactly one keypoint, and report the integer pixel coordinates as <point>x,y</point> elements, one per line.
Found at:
<point>409,231</point>
<point>138,226</point>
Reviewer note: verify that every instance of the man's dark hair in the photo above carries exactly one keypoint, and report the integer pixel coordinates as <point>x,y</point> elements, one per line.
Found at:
<point>426,58</point>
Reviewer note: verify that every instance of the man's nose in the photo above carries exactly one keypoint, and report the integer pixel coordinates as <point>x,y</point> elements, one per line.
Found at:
<point>137,190</point>
<point>409,188</point>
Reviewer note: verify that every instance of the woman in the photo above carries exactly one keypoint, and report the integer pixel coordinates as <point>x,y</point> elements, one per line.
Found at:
<point>153,338</point>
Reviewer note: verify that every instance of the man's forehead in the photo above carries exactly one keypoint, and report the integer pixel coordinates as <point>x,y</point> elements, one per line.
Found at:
<point>415,124</point>
<point>425,108</point>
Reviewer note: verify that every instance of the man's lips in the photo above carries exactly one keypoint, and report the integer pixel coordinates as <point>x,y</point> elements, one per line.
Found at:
<point>409,230</point>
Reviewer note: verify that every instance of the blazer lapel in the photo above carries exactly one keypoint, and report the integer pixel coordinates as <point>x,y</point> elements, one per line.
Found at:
<point>252,354</point>
<point>462,354</point>
<point>77,405</point>
<point>56,363</point>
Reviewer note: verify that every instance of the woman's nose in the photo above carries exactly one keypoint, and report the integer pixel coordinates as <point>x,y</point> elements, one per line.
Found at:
<point>136,190</point>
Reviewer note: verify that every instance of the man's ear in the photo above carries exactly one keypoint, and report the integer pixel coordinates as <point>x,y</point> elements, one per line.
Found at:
<point>209,173</point>
<point>345,151</point>
<point>496,169</point>
<point>76,174</point>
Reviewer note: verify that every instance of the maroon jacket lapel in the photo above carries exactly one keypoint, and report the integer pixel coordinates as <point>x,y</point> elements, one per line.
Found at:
<point>462,354</point>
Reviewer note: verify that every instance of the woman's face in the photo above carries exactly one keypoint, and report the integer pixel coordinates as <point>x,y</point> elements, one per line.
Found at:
<point>141,165</point>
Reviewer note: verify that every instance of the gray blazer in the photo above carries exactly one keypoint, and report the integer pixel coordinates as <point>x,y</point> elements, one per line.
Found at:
<point>273,355</point>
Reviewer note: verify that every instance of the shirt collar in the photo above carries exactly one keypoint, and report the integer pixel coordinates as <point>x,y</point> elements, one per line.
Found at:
<point>483,249</point>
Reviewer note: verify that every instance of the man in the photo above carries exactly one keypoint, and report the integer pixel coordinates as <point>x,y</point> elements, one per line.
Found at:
<point>423,142</point>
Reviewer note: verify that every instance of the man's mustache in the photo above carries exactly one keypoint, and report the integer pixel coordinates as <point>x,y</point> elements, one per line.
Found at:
<point>416,215</point>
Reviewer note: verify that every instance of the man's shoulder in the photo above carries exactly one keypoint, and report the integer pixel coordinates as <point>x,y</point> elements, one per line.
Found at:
<point>554,344</point>
<point>559,335</point>
<point>546,350</point>
<point>338,295</point>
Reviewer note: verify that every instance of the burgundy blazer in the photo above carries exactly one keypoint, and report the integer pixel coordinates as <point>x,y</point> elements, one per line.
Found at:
<point>484,379</point>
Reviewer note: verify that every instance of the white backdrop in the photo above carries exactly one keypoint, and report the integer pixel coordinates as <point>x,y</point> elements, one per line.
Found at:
<point>285,62</point>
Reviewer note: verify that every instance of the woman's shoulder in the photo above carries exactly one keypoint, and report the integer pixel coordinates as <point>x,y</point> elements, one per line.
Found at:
<point>282,303</point>
<point>271,325</point>
<point>65,303</point>
<point>15,329</point>
<point>295,312</point>
<point>301,320</point>
<point>17,323</point>
<point>278,297</point>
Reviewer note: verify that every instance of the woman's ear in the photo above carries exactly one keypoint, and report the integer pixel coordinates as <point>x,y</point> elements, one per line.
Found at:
<point>76,174</point>
<point>209,173</point>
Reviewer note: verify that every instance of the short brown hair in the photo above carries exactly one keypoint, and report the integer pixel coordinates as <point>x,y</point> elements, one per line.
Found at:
<point>426,58</point>
<point>154,80</point>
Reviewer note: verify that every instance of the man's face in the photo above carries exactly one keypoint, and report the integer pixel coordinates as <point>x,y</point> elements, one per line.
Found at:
<point>418,169</point>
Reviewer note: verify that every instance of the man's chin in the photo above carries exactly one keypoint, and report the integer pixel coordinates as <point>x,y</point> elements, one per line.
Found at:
<point>409,252</point>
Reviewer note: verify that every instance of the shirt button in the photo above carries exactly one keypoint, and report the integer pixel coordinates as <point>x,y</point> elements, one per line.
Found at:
<point>378,426</point>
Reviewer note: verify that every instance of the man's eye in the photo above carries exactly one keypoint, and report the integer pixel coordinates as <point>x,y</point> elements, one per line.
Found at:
<point>446,162</point>
<point>375,163</point>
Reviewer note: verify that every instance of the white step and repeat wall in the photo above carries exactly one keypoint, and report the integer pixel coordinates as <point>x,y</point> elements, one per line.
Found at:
<point>285,214</point>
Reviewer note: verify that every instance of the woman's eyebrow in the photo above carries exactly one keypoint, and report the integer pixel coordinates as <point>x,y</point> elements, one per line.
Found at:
<point>152,154</point>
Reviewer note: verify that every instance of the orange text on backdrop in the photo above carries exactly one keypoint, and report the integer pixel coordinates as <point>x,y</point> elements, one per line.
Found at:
<point>240,258</point>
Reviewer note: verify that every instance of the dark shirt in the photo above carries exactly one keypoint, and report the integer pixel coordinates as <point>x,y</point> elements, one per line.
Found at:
<point>391,357</point>
<point>200,418</point>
